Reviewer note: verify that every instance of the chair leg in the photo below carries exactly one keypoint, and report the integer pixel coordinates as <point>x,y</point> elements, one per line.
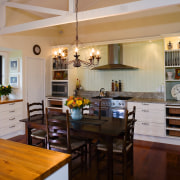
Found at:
<point>90,157</point>
<point>85,156</point>
<point>97,159</point>
<point>132,162</point>
<point>124,168</point>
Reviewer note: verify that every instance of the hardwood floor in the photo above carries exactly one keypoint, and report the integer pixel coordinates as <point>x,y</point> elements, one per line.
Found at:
<point>152,161</point>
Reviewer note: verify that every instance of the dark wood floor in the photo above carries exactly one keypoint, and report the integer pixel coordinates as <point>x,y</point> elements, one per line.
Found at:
<point>152,161</point>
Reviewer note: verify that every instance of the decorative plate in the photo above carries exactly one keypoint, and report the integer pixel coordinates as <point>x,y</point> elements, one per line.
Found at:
<point>175,91</point>
<point>36,49</point>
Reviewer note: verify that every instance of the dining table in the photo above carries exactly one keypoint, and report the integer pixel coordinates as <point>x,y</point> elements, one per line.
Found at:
<point>88,127</point>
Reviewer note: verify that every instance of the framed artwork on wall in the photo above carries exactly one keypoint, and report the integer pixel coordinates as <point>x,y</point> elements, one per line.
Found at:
<point>14,65</point>
<point>13,80</point>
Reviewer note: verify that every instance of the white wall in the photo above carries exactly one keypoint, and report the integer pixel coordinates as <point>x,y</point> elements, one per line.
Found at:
<point>147,56</point>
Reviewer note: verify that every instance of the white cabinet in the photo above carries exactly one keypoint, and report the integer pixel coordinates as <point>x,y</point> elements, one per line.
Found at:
<point>150,118</point>
<point>56,103</point>
<point>173,120</point>
<point>11,113</point>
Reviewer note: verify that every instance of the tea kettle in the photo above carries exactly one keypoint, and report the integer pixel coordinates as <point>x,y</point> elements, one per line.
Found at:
<point>102,92</point>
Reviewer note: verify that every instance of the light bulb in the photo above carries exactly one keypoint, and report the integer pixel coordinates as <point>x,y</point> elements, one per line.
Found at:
<point>97,53</point>
<point>55,53</point>
<point>76,49</point>
<point>92,50</point>
<point>60,51</point>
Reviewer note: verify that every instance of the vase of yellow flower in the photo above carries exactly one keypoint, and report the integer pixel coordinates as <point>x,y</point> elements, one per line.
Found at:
<point>5,91</point>
<point>76,114</point>
<point>76,104</point>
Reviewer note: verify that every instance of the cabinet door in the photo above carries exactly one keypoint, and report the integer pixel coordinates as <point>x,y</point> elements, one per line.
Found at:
<point>151,129</point>
<point>149,112</point>
<point>11,113</point>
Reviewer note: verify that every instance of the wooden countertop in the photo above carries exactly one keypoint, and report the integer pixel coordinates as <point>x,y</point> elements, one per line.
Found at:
<point>10,101</point>
<point>21,161</point>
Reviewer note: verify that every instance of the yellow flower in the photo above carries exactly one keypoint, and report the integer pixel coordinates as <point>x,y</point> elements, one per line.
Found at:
<point>79,102</point>
<point>69,102</point>
<point>86,101</point>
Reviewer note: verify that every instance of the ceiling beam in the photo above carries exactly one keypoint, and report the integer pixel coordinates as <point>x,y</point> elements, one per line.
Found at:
<point>36,8</point>
<point>122,9</point>
<point>2,16</point>
<point>71,6</point>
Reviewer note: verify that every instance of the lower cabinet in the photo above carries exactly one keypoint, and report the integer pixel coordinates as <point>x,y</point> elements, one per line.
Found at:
<point>173,120</point>
<point>56,103</point>
<point>11,113</point>
<point>150,118</point>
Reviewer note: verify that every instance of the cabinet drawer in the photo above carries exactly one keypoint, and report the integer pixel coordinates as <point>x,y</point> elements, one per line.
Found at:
<point>54,102</point>
<point>149,112</point>
<point>8,122</point>
<point>147,106</point>
<point>173,133</point>
<point>174,111</point>
<point>9,129</point>
<point>174,122</point>
<point>150,116</point>
<point>10,106</point>
<point>150,129</point>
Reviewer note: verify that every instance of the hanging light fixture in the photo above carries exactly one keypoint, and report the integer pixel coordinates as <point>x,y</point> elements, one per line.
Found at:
<point>77,62</point>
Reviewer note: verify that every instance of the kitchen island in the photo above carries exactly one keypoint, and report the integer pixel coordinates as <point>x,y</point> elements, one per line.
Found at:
<point>21,161</point>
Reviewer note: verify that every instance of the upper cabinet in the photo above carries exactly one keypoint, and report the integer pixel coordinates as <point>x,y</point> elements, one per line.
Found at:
<point>172,68</point>
<point>59,66</point>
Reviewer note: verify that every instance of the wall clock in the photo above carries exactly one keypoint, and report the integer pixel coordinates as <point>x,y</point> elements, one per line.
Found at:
<point>175,91</point>
<point>36,49</point>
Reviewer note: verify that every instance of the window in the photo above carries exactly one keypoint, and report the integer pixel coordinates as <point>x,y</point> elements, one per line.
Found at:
<point>1,69</point>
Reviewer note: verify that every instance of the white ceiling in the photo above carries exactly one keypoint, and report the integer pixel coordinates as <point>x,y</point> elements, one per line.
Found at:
<point>89,10</point>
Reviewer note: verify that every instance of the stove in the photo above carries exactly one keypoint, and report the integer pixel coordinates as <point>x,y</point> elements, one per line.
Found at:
<point>119,102</point>
<point>118,106</point>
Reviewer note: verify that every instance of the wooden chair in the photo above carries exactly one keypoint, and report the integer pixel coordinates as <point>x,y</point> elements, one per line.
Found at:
<point>122,146</point>
<point>35,111</point>
<point>59,139</point>
<point>89,111</point>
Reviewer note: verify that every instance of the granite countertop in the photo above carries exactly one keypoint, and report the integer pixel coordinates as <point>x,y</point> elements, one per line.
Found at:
<point>147,100</point>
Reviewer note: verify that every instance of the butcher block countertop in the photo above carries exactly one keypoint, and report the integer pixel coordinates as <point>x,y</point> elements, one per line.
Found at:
<point>21,161</point>
<point>10,101</point>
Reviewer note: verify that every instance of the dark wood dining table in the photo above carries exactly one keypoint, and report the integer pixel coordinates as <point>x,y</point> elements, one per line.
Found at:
<point>90,127</point>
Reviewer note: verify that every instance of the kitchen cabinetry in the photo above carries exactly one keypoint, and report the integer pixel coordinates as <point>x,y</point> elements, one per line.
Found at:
<point>150,118</point>
<point>172,71</point>
<point>11,113</point>
<point>56,104</point>
<point>59,76</point>
<point>173,120</point>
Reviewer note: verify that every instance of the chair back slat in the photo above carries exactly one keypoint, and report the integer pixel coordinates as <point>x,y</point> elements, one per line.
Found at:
<point>58,132</point>
<point>129,127</point>
<point>35,109</point>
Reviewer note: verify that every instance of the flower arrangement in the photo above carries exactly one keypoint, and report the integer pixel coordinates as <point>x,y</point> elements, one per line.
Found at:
<point>77,102</point>
<point>5,90</point>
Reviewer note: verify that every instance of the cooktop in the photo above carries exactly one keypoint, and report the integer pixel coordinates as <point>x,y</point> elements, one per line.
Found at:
<point>121,98</point>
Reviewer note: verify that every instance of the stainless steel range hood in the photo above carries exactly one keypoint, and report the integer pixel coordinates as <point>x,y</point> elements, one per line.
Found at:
<point>115,59</point>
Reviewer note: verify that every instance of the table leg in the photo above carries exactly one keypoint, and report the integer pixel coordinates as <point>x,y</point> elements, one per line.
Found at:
<point>110,157</point>
<point>28,135</point>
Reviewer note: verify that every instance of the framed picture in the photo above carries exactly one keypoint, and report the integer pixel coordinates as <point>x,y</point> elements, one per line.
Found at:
<point>14,65</point>
<point>177,75</point>
<point>13,80</point>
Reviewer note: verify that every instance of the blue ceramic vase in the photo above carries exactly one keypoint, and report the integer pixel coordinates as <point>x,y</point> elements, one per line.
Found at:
<point>76,114</point>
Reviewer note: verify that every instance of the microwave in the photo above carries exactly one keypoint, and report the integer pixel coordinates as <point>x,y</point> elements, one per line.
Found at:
<point>60,89</point>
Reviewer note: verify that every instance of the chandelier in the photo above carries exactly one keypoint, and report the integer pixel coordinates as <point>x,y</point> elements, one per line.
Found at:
<point>77,62</point>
